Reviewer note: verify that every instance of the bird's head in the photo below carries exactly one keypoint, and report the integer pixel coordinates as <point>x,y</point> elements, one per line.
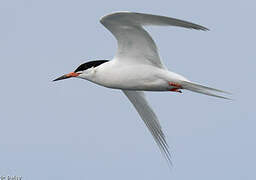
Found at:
<point>85,70</point>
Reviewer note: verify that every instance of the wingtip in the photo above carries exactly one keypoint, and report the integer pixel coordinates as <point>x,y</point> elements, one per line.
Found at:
<point>206,29</point>
<point>202,28</point>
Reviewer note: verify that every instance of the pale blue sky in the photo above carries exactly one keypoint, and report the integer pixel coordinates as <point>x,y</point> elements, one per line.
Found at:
<point>74,129</point>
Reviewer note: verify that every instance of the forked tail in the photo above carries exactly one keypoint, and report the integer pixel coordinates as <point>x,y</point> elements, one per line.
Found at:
<point>203,89</point>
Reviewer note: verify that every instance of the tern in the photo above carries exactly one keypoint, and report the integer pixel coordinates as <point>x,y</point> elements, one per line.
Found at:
<point>137,67</point>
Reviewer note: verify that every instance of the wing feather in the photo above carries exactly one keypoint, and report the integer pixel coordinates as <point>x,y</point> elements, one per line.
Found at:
<point>140,19</point>
<point>134,43</point>
<point>146,113</point>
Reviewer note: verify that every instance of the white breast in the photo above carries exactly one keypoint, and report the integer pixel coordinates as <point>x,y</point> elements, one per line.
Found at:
<point>122,75</point>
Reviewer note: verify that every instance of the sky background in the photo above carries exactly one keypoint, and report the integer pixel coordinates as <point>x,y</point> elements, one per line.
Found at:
<point>74,129</point>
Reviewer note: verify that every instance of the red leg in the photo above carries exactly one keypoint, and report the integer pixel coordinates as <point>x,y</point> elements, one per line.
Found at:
<point>175,90</point>
<point>177,87</point>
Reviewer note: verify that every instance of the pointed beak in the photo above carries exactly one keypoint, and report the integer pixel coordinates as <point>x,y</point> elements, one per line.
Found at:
<point>69,75</point>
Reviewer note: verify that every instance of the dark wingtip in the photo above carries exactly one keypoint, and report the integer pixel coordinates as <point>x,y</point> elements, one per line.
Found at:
<point>202,28</point>
<point>206,29</point>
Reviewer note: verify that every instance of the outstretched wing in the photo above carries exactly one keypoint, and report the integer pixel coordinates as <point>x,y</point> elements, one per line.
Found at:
<point>146,113</point>
<point>134,43</point>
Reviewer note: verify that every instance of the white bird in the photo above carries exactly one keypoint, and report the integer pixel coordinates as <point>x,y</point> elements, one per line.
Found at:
<point>136,67</point>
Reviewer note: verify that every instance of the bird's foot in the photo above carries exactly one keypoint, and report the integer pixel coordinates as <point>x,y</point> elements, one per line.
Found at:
<point>175,90</point>
<point>176,86</point>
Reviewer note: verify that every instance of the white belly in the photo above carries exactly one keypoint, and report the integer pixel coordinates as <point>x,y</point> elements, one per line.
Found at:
<point>134,77</point>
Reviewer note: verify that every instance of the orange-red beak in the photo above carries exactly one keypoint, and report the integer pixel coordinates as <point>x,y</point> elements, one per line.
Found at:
<point>69,75</point>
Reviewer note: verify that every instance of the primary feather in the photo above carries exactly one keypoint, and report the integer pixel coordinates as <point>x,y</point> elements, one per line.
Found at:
<point>147,114</point>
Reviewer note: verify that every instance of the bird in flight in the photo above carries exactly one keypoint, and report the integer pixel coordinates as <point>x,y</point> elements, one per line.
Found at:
<point>137,67</point>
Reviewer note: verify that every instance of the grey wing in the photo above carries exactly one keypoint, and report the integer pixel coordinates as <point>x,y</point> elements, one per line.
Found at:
<point>134,43</point>
<point>146,113</point>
